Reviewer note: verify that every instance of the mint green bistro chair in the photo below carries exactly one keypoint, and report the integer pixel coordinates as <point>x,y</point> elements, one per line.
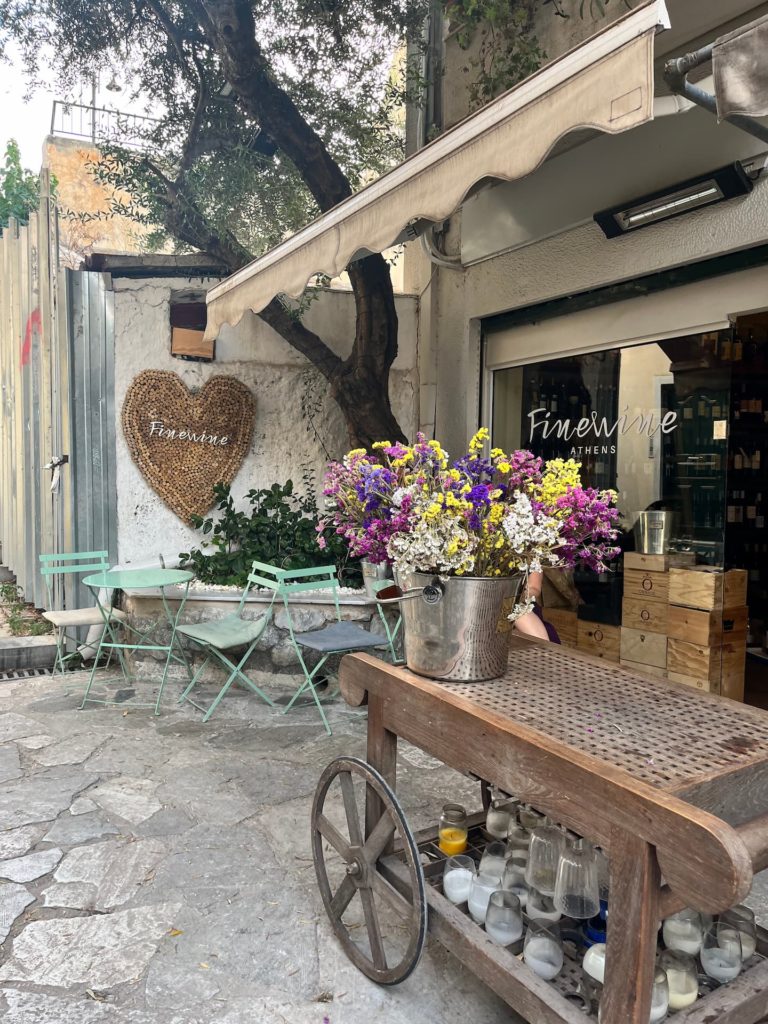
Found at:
<point>392,630</point>
<point>222,636</point>
<point>339,637</point>
<point>67,621</point>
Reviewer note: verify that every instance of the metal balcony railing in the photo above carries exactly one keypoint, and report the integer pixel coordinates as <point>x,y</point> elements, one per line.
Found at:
<point>82,121</point>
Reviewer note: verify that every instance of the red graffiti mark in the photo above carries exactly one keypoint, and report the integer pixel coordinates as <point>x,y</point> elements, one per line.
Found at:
<point>34,320</point>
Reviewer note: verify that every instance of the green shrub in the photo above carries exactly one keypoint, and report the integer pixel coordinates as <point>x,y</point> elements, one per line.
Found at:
<point>278,528</point>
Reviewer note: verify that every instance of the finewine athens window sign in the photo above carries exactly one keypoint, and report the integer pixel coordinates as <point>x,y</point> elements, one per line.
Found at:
<point>184,442</point>
<point>592,434</point>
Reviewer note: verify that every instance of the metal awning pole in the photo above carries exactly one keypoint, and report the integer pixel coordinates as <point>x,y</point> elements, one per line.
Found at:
<point>676,73</point>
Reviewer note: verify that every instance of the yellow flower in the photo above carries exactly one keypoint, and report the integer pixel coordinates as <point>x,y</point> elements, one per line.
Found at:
<point>381,444</point>
<point>503,467</point>
<point>477,442</point>
<point>497,453</point>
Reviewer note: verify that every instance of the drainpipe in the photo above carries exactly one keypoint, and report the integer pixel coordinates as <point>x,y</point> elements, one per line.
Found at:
<point>676,73</point>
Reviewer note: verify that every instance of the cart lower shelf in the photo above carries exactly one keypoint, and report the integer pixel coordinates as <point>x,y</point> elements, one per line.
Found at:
<point>743,1001</point>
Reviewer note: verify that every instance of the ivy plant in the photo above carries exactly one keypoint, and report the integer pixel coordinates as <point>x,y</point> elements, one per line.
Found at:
<point>278,527</point>
<point>508,50</point>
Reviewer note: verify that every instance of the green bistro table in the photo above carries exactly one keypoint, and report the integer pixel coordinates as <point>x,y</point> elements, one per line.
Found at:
<point>138,579</point>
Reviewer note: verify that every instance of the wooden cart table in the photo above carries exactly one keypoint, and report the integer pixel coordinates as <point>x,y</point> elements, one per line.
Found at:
<point>672,783</point>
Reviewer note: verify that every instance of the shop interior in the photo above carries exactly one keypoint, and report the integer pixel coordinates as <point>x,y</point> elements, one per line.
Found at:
<point>679,426</point>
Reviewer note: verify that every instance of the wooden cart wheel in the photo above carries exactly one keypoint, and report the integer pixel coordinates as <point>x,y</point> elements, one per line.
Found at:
<point>358,865</point>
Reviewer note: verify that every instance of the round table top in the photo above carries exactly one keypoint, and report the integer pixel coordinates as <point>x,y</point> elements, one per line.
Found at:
<point>138,579</point>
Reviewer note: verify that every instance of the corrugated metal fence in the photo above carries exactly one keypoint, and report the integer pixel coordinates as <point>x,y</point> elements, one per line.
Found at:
<point>57,380</point>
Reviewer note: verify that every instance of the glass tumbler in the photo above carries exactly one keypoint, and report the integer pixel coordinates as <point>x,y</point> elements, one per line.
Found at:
<point>542,907</point>
<point>513,879</point>
<point>682,978</point>
<point>480,890</point>
<point>457,879</point>
<point>530,818</point>
<point>684,932</point>
<point>546,849</point>
<point>518,838</point>
<point>721,953</point>
<point>504,918</point>
<point>577,893</point>
<point>660,997</point>
<point>500,813</point>
<point>494,860</point>
<point>742,920</point>
<point>543,948</point>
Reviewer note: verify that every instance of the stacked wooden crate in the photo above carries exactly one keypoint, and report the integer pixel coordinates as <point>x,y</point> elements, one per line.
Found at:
<point>565,622</point>
<point>644,608</point>
<point>708,629</point>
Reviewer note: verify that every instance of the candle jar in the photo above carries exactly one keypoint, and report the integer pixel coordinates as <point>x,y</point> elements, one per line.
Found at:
<point>682,978</point>
<point>480,891</point>
<point>457,879</point>
<point>504,918</point>
<point>684,932</point>
<point>721,953</point>
<point>452,831</point>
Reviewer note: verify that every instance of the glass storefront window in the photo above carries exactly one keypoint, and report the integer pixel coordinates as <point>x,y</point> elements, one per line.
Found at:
<point>650,421</point>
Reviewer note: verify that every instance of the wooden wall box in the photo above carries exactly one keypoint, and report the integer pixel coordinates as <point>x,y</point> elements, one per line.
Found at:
<point>647,670</point>
<point>602,641</point>
<point>657,563</point>
<point>650,616</point>
<point>702,586</point>
<point>699,626</point>
<point>565,622</point>
<point>705,685</point>
<point>725,662</point>
<point>643,647</point>
<point>642,585</point>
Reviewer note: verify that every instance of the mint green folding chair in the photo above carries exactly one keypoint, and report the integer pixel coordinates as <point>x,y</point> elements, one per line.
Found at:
<point>222,636</point>
<point>339,637</point>
<point>66,621</point>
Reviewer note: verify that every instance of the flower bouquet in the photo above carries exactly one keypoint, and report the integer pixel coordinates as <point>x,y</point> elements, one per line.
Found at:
<point>495,517</point>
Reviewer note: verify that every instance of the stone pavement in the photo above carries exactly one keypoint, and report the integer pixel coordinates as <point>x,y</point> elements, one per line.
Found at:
<point>159,871</point>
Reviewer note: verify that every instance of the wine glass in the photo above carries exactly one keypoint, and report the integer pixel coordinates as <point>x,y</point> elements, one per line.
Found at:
<point>546,849</point>
<point>684,932</point>
<point>577,893</point>
<point>682,978</point>
<point>504,918</point>
<point>457,878</point>
<point>513,879</point>
<point>493,860</point>
<point>543,948</point>
<point>721,952</point>
<point>742,920</point>
<point>542,907</point>
<point>659,997</point>
<point>480,890</point>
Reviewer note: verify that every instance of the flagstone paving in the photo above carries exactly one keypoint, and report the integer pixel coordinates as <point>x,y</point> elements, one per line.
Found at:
<point>158,870</point>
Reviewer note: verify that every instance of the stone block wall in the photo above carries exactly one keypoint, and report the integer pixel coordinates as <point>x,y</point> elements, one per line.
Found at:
<point>274,663</point>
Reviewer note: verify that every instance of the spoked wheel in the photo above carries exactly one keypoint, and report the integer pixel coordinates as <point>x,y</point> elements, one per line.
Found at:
<point>382,933</point>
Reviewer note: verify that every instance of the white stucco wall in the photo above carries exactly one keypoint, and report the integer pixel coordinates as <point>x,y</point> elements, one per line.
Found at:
<point>282,447</point>
<point>455,302</point>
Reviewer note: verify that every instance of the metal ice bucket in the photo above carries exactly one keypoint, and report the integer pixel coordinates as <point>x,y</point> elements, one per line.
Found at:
<point>654,531</point>
<point>457,628</point>
<point>373,574</point>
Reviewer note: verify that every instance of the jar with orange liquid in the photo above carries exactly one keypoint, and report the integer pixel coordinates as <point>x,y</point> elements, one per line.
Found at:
<point>453,830</point>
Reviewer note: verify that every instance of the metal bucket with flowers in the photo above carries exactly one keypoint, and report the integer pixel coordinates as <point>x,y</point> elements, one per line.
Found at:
<point>463,536</point>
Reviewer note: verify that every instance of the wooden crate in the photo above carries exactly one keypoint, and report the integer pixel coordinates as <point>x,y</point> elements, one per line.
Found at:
<point>657,563</point>
<point>598,639</point>
<point>565,622</point>
<point>650,616</point>
<point>709,628</point>
<point>718,663</point>
<point>706,587</point>
<point>706,685</point>
<point>642,585</point>
<point>643,647</point>
<point>647,670</point>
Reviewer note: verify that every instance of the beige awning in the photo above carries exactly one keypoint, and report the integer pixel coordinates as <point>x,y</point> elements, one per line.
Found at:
<point>604,85</point>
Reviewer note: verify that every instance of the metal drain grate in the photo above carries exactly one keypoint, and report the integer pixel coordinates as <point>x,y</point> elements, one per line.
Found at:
<point>23,673</point>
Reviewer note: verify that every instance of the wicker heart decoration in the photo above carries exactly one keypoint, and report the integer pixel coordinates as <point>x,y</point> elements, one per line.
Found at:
<point>185,443</point>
